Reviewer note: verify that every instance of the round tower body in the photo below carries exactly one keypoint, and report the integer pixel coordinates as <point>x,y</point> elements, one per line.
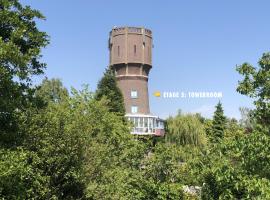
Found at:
<point>131,58</point>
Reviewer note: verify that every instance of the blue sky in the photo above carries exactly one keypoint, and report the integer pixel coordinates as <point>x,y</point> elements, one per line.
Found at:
<point>197,45</point>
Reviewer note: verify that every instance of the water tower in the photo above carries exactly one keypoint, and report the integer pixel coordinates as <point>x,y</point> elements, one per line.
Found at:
<point>131,58</point>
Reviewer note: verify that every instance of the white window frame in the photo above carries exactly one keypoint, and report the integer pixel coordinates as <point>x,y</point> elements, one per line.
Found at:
<point>134,94</point>
<point>134,109</point>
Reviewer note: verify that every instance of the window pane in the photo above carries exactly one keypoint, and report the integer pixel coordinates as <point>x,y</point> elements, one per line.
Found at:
<point>134,94</point>
<point>145,122</point>
<point>141,122</point>
<point>151,122</point>
<point>136,122</point>
<point>134,109</point>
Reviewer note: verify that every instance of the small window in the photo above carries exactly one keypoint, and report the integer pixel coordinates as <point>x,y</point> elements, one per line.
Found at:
<point>135,50</point>
<point>118,50</point>
<point>134,94</point>
<point>134,109</point>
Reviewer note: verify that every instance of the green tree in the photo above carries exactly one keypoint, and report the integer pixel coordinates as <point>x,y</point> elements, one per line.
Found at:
<point>107,87</point>
<point>18,178</point>
<point>236,168</point>
<point>166,170</point>
<point>185,130</point>
<point>51,91</point>
<point>247,120</point>
<point>256,84</point>
<point>73,149</point>
<point>219,123</point>
<point>233,128</point>
<point>20,47</point>
<point>20,51</point>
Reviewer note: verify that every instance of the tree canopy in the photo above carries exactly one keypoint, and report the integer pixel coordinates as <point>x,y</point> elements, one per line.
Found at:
<point>256,84</point>
<point>20,52</point>
<point>219,123</point>
<point>185,130</point>
<point>107,88</point>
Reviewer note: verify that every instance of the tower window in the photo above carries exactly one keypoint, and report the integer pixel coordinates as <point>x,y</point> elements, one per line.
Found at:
<point>135,50</point>
<point>118,50</point>
<point>134,109</point>
<point>134,94</point>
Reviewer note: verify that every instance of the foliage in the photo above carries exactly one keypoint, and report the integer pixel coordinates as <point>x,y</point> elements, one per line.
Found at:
<point>20,46</point>
<point>78,144</point>
<point>107,87</point>
<point>219,122</point>
<point>110,149</point>
<point>236,168</point>
<point>53,135</point>
<point>185,130</point>
<point>166,169</point>
<point>233,128</point>
<point>18,178</point>
<point>256,84</point>
<point>247,121</point>
<point>51,91</point>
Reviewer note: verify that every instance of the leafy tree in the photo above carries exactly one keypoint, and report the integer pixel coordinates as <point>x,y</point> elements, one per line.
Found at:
<point>233,128</point>
<point>185,130</point>
<point>247,120</point>
<point>112,157</point>
<point>20,46</point>
<point>236,168</point>
<point>256,84</point>
<point>200,117</point>
<point>167,169</point>
<point>219,123</point>
<point>55,148</point>
<point>107,87</point>
<point>18,178</point>
<point>52,91</point>
<point>76,143</point>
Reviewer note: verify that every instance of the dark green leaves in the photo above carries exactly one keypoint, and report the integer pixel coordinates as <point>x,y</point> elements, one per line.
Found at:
<point>107,88</point>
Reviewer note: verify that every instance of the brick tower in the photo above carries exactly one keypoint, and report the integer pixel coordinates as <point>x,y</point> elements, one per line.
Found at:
<point>131,58</point>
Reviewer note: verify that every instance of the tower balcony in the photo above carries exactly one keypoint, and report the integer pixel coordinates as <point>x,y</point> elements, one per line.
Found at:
<point>146,124</point>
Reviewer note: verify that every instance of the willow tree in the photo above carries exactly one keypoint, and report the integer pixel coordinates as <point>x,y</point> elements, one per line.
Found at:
<point>185,130</point>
